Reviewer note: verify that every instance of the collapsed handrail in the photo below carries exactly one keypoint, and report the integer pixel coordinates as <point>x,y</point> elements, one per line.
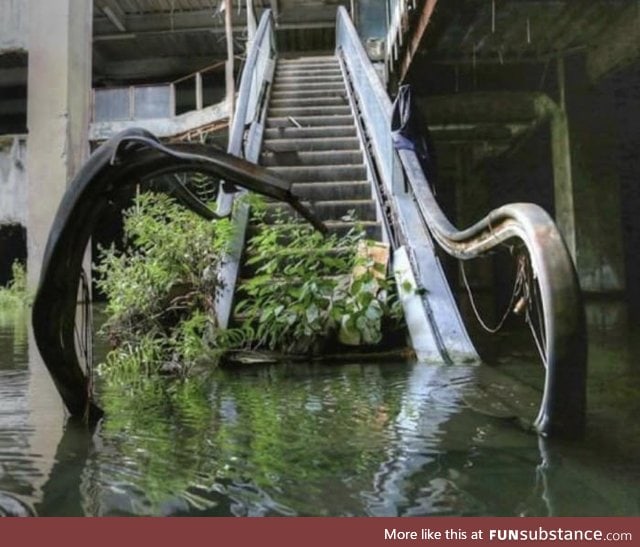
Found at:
<point>563,404</point>
<point>132,157</point>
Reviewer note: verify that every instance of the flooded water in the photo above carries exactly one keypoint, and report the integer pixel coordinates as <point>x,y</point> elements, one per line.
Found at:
<point>356,439</point>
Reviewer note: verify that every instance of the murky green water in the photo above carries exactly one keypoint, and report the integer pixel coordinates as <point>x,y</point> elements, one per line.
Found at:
<point>357,439</point>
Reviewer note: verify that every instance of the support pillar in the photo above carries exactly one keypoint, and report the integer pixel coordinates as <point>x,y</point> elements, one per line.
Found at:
<point>586,179</point>
<point>58,104</point>
<point>562,171</point>
<point>58,100</point>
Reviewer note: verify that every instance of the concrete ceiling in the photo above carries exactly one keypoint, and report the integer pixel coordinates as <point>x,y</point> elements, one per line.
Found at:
<point>498,31</point>
<point>480,60</point>
<point>161,40</point>
<point>155,39</point>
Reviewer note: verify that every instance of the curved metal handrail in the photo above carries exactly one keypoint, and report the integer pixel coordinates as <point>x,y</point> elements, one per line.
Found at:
<point>562,409</point>
<point>132,157</point>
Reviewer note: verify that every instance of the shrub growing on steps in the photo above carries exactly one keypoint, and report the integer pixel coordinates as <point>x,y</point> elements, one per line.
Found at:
<point>161,291</point>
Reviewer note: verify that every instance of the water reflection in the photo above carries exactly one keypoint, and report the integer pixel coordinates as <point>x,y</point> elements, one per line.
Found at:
<point>359,439</point>
<point>16,463</point>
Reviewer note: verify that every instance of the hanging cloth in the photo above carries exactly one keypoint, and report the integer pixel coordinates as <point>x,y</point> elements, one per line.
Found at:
<point>409,131</point>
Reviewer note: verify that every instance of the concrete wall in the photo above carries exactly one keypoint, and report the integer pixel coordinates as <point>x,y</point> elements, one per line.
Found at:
<point>59,91</point>
<point>13,180</point>
<point>596,181</point>
<point>13,25</point>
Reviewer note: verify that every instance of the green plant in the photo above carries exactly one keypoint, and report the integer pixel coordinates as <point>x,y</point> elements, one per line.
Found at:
<point>164,286</point>
<point>304,289</point>
<point>16,291</point>
<point>162,289</point>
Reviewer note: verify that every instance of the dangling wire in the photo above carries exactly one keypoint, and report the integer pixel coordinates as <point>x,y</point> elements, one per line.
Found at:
<point>517,289</point>
<point>524,297</point>
<point>533,301</point>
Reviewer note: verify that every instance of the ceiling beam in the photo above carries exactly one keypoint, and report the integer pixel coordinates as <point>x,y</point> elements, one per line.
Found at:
<point>13,106</point>
<point>414,42</point>
<point>114,37</point>
<point>117,21</point>
<point>495,107</point>
<point>114,13</point>
<point>213,30</point>
<point>162,21</point>
<point>153,68</point>
<point>493,58</point>
<point>182,21</point>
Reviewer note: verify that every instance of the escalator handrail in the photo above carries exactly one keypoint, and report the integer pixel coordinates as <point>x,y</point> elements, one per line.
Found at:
<point>244,138</point>
<point>562,410</point>
<point>247,87</point>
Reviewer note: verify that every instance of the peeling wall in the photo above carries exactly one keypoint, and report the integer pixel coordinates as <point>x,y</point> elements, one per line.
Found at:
<point>13,180</point>
<point>13,25</point>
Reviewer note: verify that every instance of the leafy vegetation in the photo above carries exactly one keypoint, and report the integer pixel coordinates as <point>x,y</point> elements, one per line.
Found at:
<point>305,289</point>
<point>16,291</point>
<point>161,291</point>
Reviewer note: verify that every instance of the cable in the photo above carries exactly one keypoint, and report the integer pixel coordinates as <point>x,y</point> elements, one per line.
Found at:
<point>517,288</point>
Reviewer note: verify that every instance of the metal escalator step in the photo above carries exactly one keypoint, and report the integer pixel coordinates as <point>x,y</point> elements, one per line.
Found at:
<point>372,229</point>
<point>307,71</point>
<point>330,210</point>
<point>317,157</point>
<point>316,100</point>
<point>310,93</point>
<point>309,86</point>
<point>319,173</point>
<point>275,144</point>
<point>289,256</point>
<point>322,60</point>
<point>310,132</point>
<point>309,121</point>
<point>301,111</point>
<point>328,191</point>
<point>308,79</point>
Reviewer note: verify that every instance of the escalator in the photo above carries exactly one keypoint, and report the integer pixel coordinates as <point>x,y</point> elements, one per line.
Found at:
<point>310,140</point>
<point>324,125</point>
<point>320,130</point>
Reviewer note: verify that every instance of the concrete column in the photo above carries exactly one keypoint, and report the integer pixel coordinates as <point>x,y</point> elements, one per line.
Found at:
<point>587,194</point>
<point>59,90</point>
<point>562,171</point>
<point>58,104</point>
